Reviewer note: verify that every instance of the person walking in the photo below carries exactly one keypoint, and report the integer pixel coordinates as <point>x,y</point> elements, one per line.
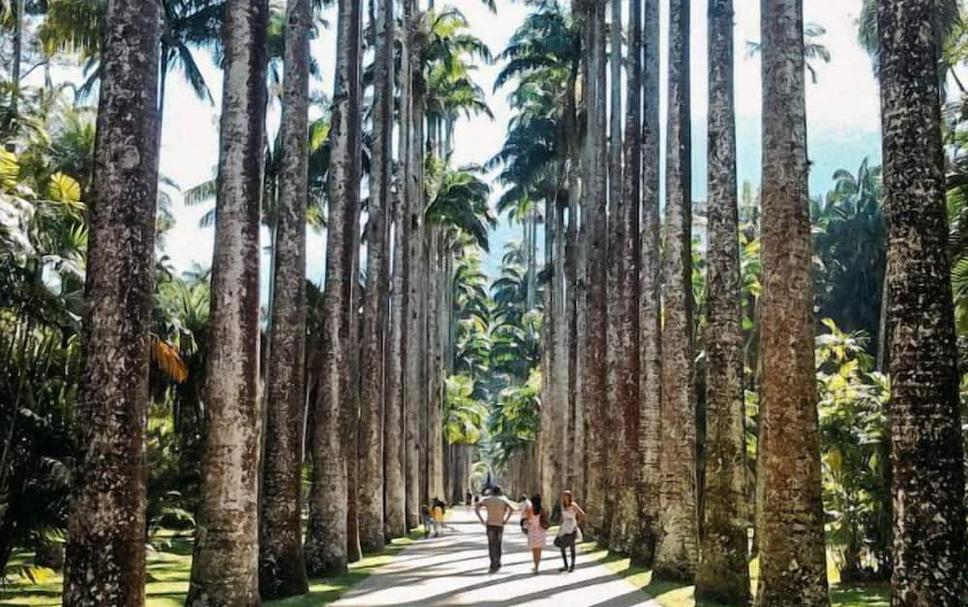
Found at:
<point>538,525</point>
<point>437,516</point>
<point>499,511</point>
<point>427,520</point>
<point>568,532</point>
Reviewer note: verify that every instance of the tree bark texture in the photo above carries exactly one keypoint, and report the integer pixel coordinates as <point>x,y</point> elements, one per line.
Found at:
<point>414,389</point>
<point>677,552</point>
<point>326,538</point>
<point>650,352</point>
<point>791,538</point>
<point>225,563</point>
<point>624,306</point>
<point>723,573</point>
<point>399,517</point>
<point>595,207</point>
<point>929,561</point>
<point>282,570</point>
<point>372,362</point>
<point>106,548</point>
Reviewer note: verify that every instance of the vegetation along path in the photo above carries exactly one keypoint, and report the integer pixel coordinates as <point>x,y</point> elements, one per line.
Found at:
<point>452,570</point>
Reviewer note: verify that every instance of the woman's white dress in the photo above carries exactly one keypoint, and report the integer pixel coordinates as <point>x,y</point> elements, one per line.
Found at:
<point>537,535</point>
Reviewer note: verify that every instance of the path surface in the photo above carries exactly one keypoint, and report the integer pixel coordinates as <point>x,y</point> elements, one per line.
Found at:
<point>452,570</point>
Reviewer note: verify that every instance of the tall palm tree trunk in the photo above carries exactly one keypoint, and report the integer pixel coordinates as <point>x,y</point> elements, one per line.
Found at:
<point>596,196</point>
<point>225,562</point>
<point>616,370</point>
<point>548,449</point>
<point>650,351</point>
<point>282,570</point>
<point>413,387</point>
<point>624,347</point>
<point>574,442</point>
<point>791,537</point>
<point>106,550</point>
<point>326,538</point>
<point>393,429</point>
<point>372,363</point>
<point>930,557</point>
<point>559,348</point>
<point>723,572</point>
<point>677,552</point>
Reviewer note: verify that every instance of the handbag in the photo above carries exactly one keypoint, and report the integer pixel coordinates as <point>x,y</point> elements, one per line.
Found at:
<point>524,525</point>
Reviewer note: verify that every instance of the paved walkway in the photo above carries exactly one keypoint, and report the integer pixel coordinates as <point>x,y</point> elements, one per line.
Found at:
<point>452,570</point>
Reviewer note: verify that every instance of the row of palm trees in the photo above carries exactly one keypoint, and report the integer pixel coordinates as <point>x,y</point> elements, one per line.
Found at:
<point>620,333</point>
<point>374,434</point>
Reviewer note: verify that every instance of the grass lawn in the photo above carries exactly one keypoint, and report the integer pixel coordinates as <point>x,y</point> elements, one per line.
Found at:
<point>168,574</point>
<point>677,595</point>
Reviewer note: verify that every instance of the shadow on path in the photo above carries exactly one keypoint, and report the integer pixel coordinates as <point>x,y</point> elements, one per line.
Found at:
<point>453,570</point>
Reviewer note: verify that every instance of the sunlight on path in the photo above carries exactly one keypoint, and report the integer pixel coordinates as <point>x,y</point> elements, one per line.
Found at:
<point>452,570</point>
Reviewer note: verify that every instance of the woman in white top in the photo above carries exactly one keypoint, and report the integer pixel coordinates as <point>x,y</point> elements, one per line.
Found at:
<point>571,517</point>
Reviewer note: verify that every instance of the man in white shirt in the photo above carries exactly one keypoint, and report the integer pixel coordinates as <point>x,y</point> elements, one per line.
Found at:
<point>499,511</point>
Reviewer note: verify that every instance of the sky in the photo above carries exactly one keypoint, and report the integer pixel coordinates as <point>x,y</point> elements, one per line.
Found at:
<point>842,113</point>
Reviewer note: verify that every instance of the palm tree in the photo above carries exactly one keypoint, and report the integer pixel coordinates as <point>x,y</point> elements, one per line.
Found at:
<point>926,440</point>
<point>813,50</point>
<point>649,306</point>
<point>849,244</point>
<point>414,399</point>
<point>186,27</point>
<point>327,536</point>
<point>595,167</point>
<point>790,516</point>
<point>677,552</point>
<point>618,379</point>
<point>371,364</point>
<point>106,552</point>
<point>282,570</point>
<point>443,89</point>
<point>401,501</point>
<point>225,562</point>
<point>723,572</point>
<point>624,347</point>
<point>543,57</point>
<point>947,18</point>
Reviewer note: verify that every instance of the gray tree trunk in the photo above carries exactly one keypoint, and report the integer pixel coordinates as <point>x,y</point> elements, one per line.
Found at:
<point>372,362</point>
<point>575,434</point>
<point>595,205</point>
<point>723,573</point>
<point>282,570</point>
<point>615,368</point>
<point>414,404</point>
<point>106,547</point>
<point>624,341</point>
<point>559,351</point>
<point>400,513</point>
<point>677,552</point>
<point>930,547</point>
<point>326,538</point>
<point>225,563</point>
<point>791,538</point>
<point>649,307</point>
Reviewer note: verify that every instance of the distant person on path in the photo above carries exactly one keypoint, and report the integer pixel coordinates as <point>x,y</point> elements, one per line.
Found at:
<point>538,525</point>
<point>499,511</point>
<point>437,516</point>
<point>571,516</point>
<point>428,522</point>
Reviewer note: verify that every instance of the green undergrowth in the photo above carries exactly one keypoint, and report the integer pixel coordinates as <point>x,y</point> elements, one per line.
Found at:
<point>670,594</point>
<point>168,572</point>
